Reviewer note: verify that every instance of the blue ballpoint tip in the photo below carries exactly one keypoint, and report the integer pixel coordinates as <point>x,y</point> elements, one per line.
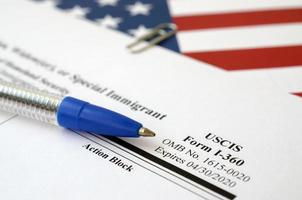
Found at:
<point>145,132</point>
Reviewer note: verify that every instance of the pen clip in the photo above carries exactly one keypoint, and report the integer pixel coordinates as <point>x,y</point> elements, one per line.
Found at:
<point>155,36</point>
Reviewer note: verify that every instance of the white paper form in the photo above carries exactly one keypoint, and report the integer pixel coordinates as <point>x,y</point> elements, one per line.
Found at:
<point>218,137</point>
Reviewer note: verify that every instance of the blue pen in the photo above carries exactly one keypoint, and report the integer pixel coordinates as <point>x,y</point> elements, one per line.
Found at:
<point>67,112</point>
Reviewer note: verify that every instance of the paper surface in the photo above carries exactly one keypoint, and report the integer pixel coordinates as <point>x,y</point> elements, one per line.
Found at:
<point>219,136</point>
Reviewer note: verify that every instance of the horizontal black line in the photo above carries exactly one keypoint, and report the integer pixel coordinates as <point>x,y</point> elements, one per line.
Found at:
<point>159,167</point>
<point>163,164</point>
<point>173,168</point>
<point>134,161</point>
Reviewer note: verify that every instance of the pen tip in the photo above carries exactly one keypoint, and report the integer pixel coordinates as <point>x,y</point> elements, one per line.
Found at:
<point>146,132</point>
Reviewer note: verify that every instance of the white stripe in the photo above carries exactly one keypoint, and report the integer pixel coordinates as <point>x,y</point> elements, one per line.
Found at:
<point>193,7</point>
<point>287,79</point>
<point>243,37</point>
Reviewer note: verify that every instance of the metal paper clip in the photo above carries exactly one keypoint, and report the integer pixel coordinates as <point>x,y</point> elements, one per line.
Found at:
<point>155,36</point>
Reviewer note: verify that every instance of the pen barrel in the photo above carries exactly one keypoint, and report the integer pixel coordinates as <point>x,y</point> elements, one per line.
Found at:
<point>29,102</point>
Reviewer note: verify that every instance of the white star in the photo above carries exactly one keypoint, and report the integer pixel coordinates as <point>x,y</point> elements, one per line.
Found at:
<point>109,21</point>
<point>139,8</point>
<point>48,3</point>
<point>141,30</point>
<point>77,11</point>
<point>108,2</point>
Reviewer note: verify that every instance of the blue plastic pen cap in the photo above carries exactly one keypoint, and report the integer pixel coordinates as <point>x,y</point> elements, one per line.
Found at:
<point>80,115</point>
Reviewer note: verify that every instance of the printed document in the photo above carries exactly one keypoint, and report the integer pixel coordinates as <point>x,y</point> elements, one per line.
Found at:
<point>218,136</point>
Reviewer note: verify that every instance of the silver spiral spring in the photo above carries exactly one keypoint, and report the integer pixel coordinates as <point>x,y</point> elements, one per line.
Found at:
<point>29,102</point>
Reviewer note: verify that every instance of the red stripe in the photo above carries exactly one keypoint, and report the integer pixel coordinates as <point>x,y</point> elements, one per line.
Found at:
<point>252,58</point>
<point>238,19</point>
<point>298,94</point>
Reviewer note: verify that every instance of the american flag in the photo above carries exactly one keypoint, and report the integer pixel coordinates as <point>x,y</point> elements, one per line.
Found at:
<point>234,35</point>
